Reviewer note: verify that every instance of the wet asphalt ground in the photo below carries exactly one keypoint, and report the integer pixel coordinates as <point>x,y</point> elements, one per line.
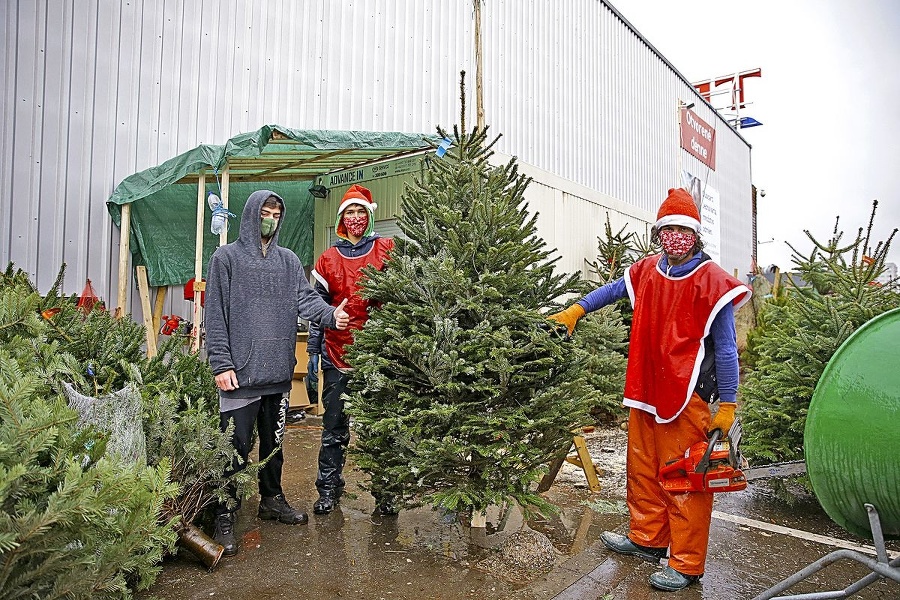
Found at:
<point>756,541</point>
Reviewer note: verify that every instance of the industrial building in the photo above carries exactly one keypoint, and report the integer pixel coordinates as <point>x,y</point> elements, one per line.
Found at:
<point>99,94</point>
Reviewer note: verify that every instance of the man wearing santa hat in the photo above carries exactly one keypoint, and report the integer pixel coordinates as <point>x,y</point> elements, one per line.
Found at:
<point>684,307</point>
<point>337,275</point>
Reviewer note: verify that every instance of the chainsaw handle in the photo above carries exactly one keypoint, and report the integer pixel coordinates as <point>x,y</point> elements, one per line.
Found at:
<point>703,464</point>
<point>676,466</point>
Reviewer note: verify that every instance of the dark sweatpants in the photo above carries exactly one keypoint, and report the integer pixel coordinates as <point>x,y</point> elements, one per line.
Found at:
<point>268,416</point>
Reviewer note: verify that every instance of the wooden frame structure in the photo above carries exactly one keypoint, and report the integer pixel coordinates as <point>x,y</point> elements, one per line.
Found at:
<point>284,155</point>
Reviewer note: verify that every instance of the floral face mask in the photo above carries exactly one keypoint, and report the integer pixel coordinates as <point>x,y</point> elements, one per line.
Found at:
<point>675,243</point>
<point>357,225</point>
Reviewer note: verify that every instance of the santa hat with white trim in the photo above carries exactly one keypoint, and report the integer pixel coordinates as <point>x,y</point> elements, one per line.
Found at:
<point>357,194</point>
<point>678,209</point>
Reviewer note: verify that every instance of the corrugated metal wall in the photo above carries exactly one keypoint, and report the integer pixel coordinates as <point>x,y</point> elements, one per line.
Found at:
<point>94,90</point>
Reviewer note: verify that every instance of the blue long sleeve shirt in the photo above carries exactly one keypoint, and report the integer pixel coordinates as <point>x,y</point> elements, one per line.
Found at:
<point>722,330</point>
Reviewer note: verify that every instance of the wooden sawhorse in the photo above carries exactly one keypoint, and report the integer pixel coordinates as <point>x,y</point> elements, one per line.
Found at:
<point>581,459</point>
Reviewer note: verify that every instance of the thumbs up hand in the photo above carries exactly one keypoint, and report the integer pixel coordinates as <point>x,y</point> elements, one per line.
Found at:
<point>341,318</point>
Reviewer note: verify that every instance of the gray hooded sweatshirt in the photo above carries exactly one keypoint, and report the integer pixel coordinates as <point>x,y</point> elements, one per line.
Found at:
<point>252,303</point>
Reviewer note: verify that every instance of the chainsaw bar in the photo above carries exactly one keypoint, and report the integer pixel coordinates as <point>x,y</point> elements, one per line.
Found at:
<point>783,469</point>
<point>774,470</point>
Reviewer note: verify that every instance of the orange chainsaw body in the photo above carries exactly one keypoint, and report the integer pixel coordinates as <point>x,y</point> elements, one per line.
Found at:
<point>710,466</point>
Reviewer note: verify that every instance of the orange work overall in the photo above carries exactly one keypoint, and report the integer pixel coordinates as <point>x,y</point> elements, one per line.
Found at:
<point>659,518</point>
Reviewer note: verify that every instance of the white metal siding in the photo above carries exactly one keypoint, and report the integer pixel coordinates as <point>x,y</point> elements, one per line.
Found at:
<point>94,90</point>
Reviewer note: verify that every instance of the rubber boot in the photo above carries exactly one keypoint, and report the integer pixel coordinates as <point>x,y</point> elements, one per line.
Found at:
<point>326,503</point>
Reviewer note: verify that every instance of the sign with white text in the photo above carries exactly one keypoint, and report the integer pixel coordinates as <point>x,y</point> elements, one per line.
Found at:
<point>698,138</point>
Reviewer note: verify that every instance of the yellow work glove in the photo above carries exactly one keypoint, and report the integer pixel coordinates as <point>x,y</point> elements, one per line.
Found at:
<point>724,419</point>
<point>569,317</point>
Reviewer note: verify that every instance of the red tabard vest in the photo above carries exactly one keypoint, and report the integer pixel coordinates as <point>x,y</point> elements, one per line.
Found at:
<point>341,275</point>
<point>672,317</point>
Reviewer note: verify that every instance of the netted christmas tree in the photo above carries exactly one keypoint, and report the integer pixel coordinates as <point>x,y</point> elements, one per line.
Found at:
<point>800,332</point>
<point>462,389</point>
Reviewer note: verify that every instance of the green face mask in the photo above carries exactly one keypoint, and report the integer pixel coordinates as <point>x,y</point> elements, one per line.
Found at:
<point>267,227</point>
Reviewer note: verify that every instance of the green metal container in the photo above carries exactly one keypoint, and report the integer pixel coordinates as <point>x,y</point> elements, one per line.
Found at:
<point>852,435</point>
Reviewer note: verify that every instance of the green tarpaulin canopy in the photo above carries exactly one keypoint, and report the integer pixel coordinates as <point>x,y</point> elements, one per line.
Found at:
<point>163,213</point>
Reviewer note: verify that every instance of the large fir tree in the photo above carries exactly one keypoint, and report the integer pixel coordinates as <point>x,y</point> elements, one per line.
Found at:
<point>462,389</point>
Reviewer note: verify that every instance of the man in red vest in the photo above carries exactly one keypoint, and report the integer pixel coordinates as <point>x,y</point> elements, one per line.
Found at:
<point>337,275</point>
<point>684,307</point>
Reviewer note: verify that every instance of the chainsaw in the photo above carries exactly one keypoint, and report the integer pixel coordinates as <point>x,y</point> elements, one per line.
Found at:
<point>710,466</point>
<point>717,465</point>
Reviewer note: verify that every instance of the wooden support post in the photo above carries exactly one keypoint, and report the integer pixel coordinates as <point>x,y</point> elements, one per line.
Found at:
<point>583,460</point>
<point>226,179</point>
<point>124,251</point>
<point>144,292</point>
<point>479,70</point>
<point>158,306</point>
<point>199,285</point>
<point>547,480</point>
<point>776,282</point>
<point>479,520</point>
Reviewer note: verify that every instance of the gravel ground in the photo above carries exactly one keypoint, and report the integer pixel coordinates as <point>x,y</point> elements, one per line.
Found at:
<point>528,554</point>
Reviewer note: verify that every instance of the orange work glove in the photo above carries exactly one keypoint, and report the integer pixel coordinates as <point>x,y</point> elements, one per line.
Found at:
<point>724,419</point>
<point>569,317</point>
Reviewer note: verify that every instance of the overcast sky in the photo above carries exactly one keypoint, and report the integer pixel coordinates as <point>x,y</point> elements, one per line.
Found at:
<point>828,98</point>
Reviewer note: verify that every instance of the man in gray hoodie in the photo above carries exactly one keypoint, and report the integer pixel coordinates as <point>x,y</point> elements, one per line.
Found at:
<point>255,290</point>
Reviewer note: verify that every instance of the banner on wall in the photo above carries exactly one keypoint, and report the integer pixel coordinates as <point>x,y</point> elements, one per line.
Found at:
<point>710,225</point>
<point>698,137</point>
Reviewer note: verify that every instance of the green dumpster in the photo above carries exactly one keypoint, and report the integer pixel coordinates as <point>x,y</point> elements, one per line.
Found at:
<point>852,434</point>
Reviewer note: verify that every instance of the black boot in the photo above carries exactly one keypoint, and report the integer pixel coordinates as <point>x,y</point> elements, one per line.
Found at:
<point>276,507</point>
<point>327,501</point>
<point>224,534</point>
<point>324,505</point>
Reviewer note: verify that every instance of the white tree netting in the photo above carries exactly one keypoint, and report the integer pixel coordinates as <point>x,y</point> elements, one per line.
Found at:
<point>119,415</point>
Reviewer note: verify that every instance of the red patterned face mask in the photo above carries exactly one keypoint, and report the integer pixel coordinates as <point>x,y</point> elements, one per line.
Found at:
<point>356,226</point>
<point>675,243</point>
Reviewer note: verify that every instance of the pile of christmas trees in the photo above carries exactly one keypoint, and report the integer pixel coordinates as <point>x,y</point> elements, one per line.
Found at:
<point>78,520</point>
<point>800,331</point>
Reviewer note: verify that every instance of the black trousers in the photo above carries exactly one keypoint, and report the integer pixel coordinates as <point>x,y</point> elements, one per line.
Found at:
<point>268,417</point>
<point>335,434</point>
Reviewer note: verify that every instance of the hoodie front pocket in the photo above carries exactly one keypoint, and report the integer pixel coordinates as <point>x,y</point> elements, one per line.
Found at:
<point>270,361</point>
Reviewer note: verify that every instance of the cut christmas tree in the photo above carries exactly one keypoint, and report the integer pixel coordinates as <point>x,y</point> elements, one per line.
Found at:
<point>462,390</point>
